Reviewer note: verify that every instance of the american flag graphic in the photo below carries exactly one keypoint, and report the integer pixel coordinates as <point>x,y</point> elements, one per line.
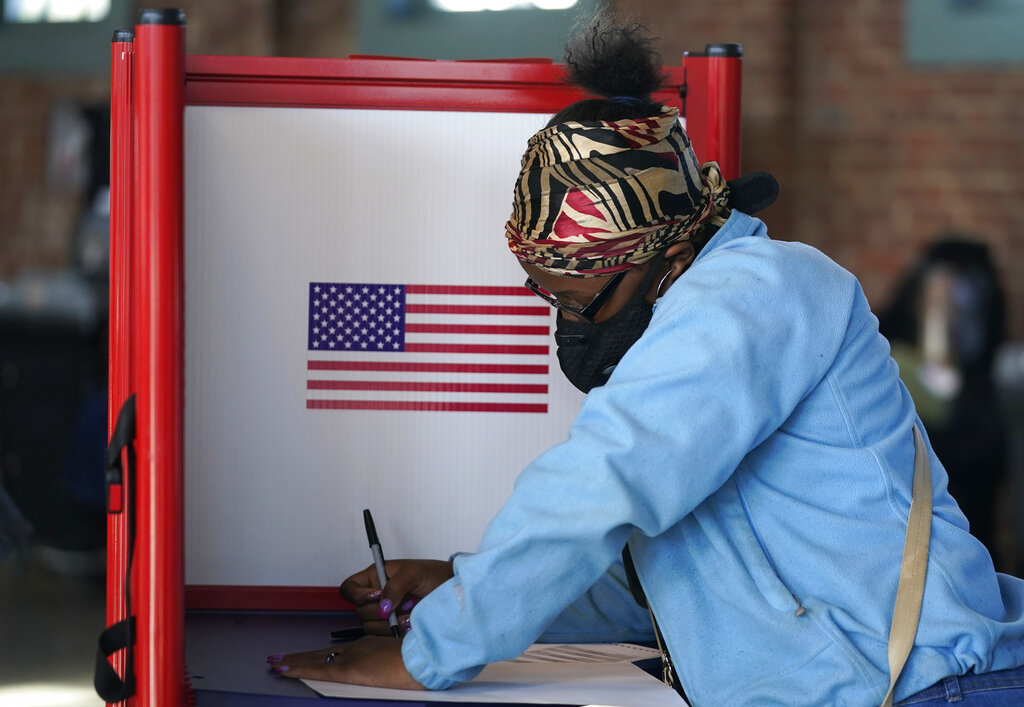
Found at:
<point>466,348</point>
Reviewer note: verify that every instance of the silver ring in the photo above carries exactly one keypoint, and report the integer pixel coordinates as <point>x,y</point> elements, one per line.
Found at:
<point>330,657</point>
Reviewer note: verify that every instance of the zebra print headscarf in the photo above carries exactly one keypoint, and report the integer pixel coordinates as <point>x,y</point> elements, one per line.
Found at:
<point>598,197</point>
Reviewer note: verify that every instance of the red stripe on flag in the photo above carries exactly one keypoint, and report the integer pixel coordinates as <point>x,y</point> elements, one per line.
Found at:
<point>421,386</point>
<point>414,405</point>
<point>475,309</point>
<point>476,349</point>
<point>484,290</point>
<point>422,367</point>
<point>475,329</point>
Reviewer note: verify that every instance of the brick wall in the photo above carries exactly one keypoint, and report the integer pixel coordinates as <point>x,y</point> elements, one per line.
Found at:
<point>875,157</point>
<point>37,217</point>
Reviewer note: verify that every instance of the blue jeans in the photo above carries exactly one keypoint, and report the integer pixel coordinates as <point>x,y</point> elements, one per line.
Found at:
<point>1003,687</point>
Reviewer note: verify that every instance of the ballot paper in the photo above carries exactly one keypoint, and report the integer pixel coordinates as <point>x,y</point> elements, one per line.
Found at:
<point>547,673</point>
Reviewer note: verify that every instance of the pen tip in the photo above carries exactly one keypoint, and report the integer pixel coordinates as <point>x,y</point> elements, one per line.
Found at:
<point>371,531</point>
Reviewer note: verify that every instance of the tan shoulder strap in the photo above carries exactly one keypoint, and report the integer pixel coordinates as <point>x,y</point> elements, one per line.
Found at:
<point>910,589</point>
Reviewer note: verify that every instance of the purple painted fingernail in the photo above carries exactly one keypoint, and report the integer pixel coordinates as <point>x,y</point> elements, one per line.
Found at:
<point>275,657</point>
<point>374,595</point>
<point>281,668</point>
<point>406,625</point>
<point>408,604</point>
<point>385,608</point>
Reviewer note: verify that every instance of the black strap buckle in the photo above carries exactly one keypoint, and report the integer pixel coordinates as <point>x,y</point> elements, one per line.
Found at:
<point>109,685</point>
<point>122,438</point>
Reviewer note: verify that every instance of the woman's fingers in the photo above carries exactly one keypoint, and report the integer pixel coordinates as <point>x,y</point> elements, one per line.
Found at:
<point>369,661</point>
<point>360,587</point>
<point>381,627</point>
<point>411,581</point>
<point>408,582</point>
<point>298,665</point>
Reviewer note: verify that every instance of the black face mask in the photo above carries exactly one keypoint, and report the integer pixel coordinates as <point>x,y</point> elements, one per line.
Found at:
<point>588,353</point>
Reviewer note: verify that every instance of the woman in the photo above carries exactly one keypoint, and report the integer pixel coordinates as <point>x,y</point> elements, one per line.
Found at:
<point>745,437</point>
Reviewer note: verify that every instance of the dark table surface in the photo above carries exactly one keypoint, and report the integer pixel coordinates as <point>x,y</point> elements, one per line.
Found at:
<point>226,656</point>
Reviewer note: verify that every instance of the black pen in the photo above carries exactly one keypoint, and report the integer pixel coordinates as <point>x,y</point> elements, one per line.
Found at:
<point>378,561</point>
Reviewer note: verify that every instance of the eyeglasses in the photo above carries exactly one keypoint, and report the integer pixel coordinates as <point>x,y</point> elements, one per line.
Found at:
<point>586,312</point>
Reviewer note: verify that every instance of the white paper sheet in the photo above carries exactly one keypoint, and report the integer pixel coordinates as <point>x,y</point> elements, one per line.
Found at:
<point>570,674</point>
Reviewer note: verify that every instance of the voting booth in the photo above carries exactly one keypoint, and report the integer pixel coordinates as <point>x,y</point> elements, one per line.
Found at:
<point>313,311</point>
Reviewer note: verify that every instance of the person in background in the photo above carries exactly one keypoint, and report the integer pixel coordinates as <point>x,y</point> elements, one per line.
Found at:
<point>745,437</point>
<point>946,322</point>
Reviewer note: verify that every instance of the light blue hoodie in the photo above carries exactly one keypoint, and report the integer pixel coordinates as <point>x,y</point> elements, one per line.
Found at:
<point>755,448</point>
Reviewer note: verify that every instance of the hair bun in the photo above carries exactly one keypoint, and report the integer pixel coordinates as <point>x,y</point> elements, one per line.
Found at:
<point>616,61</point>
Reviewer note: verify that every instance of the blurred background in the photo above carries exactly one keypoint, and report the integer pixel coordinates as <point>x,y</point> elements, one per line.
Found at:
<point>892,126</point>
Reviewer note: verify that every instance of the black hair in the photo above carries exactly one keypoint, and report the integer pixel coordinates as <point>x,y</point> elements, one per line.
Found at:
<point>615,61</point>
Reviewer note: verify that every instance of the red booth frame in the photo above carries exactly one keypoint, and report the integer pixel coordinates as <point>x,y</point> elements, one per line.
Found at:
<point>152,80</point>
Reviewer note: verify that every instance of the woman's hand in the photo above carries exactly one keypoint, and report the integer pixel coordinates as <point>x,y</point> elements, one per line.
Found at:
<point>371,660</point>
<point>408,582</point>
